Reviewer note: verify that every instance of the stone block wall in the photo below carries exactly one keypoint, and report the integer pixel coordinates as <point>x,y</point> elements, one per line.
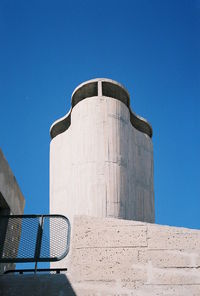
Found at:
<point>118,257</point>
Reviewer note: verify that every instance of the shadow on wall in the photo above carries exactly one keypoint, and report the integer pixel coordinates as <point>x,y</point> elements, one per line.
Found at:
<point>32,285</point>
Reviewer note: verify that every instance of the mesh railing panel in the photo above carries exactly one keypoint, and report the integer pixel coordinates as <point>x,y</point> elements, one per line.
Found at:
<point>54,228</point>
<point>33,238</point>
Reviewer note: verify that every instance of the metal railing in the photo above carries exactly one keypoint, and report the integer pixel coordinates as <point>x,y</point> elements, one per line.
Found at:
<point>42,270</point>
<point>33,238</point>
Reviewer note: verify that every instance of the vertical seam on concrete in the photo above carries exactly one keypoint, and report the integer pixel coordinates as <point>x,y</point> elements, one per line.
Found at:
<point>147,235</point>
<point>106,202</point>
<point>105,152</point>
<point>99,88</point>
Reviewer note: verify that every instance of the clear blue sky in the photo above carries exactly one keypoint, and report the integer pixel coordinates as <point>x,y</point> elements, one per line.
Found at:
<point>151,46</point>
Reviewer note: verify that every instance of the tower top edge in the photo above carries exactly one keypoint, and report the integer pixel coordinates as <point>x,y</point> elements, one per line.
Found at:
<point>100,80</point>
<point>99,87</point>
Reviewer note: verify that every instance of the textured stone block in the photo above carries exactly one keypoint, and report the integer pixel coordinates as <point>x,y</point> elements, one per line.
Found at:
<point>169,258</point>
<point>90,232</point>
<point>88,221</point>
<point>106,264</point>
<point>172,276</point>
<point>110,237</point>
<point>174,238</point>
<point>117,289</point>
<point>166,290</point>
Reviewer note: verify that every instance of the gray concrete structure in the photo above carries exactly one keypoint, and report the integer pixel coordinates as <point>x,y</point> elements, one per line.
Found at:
<point>11,201</point>
<point>11,198</point>
<point>118,257</point>
<point>112,257</point>
<point>101,156</point>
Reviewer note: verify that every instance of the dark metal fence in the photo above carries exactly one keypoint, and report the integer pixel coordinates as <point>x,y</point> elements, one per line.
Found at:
<point>33,238</point>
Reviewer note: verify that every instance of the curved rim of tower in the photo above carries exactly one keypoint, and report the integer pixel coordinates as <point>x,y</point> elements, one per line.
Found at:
<point>102,80</point>
<point>63,123</point>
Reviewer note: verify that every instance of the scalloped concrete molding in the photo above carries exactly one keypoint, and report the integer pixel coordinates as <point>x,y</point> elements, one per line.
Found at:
<point>119,92</point>
<point>101,156</point>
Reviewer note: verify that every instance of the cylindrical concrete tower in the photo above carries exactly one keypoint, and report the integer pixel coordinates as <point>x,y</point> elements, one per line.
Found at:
<point>101,156</point>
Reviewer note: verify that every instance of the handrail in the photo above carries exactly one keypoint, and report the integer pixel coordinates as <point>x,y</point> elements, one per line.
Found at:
<point>50,270</point>
<point>34,238</point>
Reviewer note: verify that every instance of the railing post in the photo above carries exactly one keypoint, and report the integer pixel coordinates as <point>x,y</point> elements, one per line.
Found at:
<point>38,241</point>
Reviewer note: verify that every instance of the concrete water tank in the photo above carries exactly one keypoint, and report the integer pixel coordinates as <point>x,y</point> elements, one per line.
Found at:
<point>101,156</point>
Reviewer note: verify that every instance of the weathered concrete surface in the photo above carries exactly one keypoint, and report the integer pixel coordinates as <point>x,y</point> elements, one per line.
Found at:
<point>120,257</point>
<point>9,189</point>
<point>11,202</point>
<point>102,165</point>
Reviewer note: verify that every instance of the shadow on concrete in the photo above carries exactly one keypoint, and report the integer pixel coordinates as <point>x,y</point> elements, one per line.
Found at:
<point>36,285</point>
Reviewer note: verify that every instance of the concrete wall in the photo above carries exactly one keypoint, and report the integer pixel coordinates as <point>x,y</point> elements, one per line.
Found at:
<point>112,257</point>
<point>102,165</point>
<point>11,202</point>
<point>117,257</point>
<point>9,188</point>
